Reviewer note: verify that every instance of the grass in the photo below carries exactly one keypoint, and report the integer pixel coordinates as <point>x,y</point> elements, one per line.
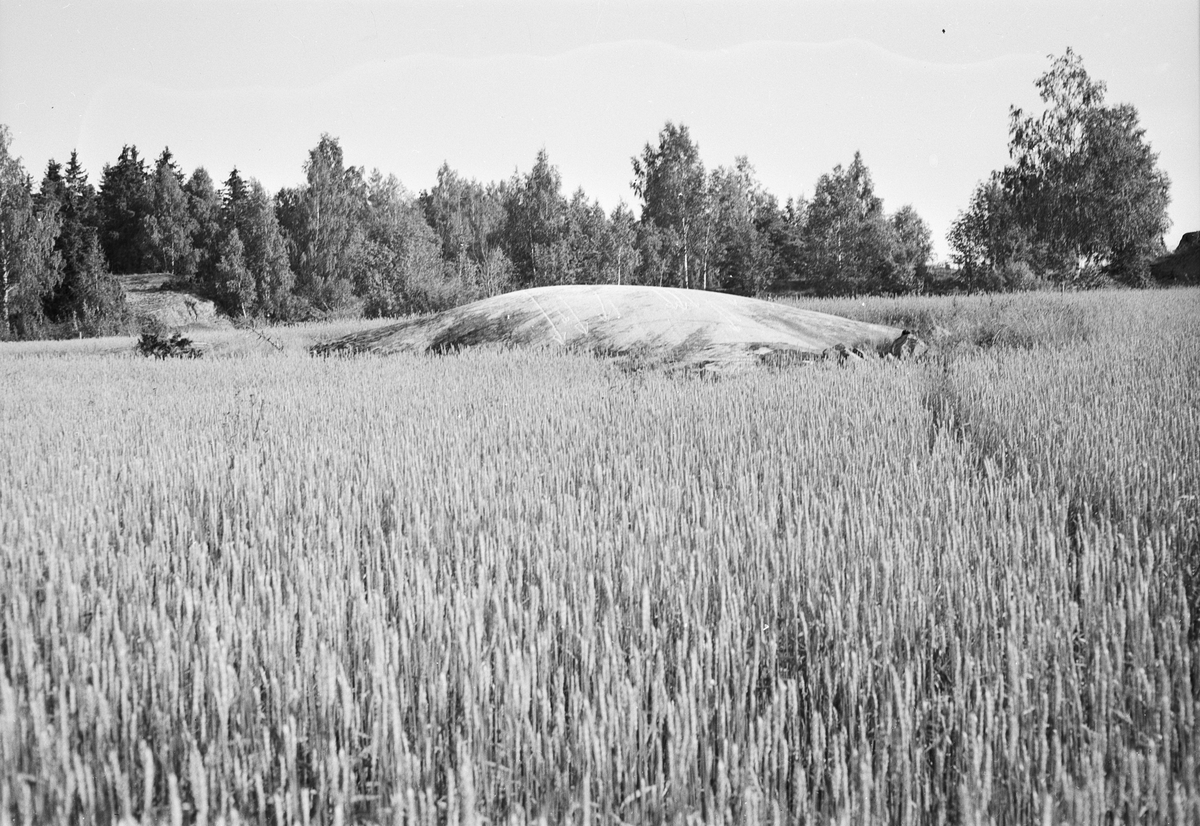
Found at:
<point>982,321</point>
<point>515,585</point>
<point>295,339</point>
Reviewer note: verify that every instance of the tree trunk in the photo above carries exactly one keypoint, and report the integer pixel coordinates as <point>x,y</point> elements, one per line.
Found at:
<point>687,281</point>
<point>4,285</point>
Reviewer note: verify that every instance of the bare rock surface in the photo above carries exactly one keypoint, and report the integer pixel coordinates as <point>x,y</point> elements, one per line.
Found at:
<point>151,296</point>
<point>690,328</point>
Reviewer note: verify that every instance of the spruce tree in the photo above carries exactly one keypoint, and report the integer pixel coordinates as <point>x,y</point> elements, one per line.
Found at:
<point>125,202</point>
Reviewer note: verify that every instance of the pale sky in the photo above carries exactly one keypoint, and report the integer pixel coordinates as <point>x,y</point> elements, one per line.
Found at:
<point>922,89</point>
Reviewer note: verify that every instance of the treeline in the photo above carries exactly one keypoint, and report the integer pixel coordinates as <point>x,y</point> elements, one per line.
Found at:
<point>1082,202</point>
<point>348,241</point>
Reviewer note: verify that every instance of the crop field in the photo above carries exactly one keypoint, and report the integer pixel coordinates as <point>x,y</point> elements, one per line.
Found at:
<point>504,586</point>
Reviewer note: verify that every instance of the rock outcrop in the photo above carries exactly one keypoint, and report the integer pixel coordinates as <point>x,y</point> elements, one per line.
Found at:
<point>689,328</point>
<point>154,299</point>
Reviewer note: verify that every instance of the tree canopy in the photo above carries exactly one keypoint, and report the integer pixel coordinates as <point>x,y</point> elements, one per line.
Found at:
<point>1083,195</point>
<point>30,267</point>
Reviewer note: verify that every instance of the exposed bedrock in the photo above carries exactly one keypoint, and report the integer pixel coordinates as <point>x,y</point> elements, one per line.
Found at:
<point>685,327</point>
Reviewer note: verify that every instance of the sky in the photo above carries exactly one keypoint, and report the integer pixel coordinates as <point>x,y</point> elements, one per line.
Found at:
<point>922,89</point>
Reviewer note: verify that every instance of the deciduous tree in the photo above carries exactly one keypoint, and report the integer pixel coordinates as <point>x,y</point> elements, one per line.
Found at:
<point>988,239</point>
<point>848,241</point>
<point>466,216</point>
<point>324,221</point>
<point>911,251</point>
<point>744,258</point>
<point>535,224</point>
<point>404,268</point>
<point>670,180</point>
<point>30,267</point>
<point>204,211</point>
<point>169,227</point>
<point>623,258</point>
<point>251,273</point>
<point>1083,193</point>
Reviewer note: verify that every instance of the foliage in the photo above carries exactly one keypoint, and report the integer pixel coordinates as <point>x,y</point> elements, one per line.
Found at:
<point>466,216</point>
<point>265,288</point>
<point>849,245</point>
<point>98,307</point>
<point>233,281</point>
<point>989,236</point>
<point>169,227</point>
<point>204,213</point>
<point>911,250</point>
<point>125,205</point>
<point>402,261</point>
<point>1083,201</point>
<point>153,345</point>
<point>535,223</point>
<point>1083,192</point>
<point>87,300</point>
<point>670,180</point>
<point>30,267</point>
<point>77,296</point>
<point>324,223</point>
<point>743,258</point>
<point>555,240</point>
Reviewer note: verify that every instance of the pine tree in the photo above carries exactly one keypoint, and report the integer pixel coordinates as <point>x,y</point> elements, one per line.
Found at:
<point>98,306</point>
<point>235,190</point>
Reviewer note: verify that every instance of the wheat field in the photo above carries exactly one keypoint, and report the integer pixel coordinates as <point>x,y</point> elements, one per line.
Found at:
<point>511,586</point>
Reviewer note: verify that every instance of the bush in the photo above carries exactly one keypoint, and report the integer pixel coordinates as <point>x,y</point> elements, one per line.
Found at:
<point>154,345</point>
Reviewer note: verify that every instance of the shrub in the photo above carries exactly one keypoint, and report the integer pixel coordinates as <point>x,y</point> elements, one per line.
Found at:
<point>159,346</point>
